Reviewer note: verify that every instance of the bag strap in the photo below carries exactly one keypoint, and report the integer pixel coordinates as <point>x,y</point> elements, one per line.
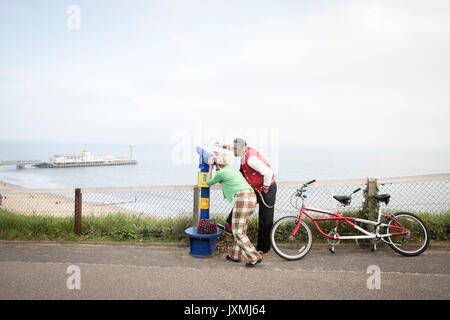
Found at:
<point>265,204</point>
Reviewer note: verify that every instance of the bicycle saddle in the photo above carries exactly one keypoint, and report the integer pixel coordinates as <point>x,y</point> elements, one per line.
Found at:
<point>383,197</point>
<point>345,200</point>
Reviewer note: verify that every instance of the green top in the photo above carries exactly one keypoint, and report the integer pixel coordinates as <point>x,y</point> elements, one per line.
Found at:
<point>231,180</point>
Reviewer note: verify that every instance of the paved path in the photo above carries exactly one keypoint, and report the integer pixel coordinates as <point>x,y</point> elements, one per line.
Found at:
<point>39,271</point>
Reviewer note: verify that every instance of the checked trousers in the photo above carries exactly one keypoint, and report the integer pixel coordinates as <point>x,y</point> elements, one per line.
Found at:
<point>244,207</point>
<point>265,218</point>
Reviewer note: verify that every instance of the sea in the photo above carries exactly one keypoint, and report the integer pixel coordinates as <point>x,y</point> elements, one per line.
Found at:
<point>166,164</point>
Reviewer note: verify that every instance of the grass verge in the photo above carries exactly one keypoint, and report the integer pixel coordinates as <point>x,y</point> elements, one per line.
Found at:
<point>124,227</point>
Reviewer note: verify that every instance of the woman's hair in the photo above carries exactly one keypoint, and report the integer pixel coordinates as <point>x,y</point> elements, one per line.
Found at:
<point>223,158</point>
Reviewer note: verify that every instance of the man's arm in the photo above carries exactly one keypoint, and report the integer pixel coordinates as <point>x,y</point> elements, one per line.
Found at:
<point>223,146</point>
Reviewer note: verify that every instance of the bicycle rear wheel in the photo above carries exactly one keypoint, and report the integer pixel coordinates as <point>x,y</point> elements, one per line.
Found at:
<point>283,245</point>
<point>413,243</point>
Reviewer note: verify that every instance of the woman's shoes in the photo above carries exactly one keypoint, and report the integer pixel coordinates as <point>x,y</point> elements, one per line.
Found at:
<point>248,264</point>
<point>251,265</point>
<point>231,259</point>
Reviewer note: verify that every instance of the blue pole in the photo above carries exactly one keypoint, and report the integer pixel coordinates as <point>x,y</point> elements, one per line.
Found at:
<point>204,196</point>
<point>199,247</point>
<point>204,191</point>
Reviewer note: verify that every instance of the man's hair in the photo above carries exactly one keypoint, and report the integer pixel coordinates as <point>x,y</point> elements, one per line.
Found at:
<point>240,143</point>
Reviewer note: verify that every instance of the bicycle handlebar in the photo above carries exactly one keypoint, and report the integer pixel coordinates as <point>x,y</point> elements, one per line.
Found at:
<point>356,190</point>
<point>312,181</point>
<point>299,192</point>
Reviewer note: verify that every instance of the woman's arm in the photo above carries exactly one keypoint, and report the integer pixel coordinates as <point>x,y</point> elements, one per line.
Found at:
<point>211,164</point>
<point>217,178</point>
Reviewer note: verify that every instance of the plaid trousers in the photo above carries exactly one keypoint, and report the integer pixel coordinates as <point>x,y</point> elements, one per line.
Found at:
<point>244,207</point>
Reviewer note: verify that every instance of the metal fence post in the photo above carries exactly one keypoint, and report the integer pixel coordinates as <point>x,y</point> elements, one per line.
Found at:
<point>196,215</point>
<point>78,203</point>
<point>373,205</point>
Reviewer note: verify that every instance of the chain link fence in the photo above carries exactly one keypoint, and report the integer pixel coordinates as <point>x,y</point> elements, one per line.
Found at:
<point>420,194</point>
<point>318,196</point>
<point>171,204</point>
<point>158,202</point>
<point>50,203</point>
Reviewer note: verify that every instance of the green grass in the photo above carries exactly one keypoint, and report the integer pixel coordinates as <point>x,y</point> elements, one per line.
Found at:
<point>438,225</point>
<point>118,227</point>
<point>124,227</point>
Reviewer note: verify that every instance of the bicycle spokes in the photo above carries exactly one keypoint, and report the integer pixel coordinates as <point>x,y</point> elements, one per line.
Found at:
<point>289,244</point>
<point>409,235</point>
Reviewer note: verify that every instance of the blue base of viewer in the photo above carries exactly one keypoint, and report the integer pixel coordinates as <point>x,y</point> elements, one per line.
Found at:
<point>201,244</point>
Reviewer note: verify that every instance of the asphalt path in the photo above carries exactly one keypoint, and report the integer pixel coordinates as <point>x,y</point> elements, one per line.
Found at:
<point>168,272</point>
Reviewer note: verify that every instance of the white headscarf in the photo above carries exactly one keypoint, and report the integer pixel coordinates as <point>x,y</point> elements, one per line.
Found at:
<point>223,157</point>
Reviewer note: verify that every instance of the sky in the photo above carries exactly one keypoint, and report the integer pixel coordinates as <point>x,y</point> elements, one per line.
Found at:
<point>341,74</point>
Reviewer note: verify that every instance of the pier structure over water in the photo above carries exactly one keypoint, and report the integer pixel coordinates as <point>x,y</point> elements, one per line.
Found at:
<point>20,164</point>
<point>117,162</point>
<point>86,159</point>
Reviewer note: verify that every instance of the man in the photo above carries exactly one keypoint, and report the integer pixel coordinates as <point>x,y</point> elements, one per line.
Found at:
<point>258,173</point>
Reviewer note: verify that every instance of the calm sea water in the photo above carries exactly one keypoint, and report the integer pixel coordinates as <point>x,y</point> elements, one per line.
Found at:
<point>156,164</point>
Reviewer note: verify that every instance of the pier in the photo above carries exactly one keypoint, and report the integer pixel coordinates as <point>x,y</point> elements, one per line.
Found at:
<point>48,164</point>
<point>86,159</point>
<point>20,164</point>
<point>118,162</point>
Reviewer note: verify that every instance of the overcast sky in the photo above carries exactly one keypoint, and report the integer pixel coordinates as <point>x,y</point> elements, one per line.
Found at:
<point>306,73</point>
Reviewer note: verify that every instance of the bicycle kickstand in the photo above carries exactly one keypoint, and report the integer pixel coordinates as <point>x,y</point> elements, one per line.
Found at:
<point>332,249</point>
<point>374,247</point>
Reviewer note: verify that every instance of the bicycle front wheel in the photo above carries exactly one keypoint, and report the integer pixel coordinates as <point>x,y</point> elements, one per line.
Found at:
<point>415,241</point>
<point>282,242</point>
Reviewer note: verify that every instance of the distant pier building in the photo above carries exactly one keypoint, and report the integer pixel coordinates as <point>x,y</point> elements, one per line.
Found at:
<point>86,159</point>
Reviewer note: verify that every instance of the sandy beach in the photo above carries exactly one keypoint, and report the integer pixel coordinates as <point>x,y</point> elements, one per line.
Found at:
<point>8,186</point>
<point>58,204</point>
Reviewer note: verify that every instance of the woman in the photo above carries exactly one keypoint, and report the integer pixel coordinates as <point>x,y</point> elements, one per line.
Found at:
<point>235,187</point>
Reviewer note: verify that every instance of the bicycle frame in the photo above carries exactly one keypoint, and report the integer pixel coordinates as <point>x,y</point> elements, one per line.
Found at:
<point>349,220</point>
